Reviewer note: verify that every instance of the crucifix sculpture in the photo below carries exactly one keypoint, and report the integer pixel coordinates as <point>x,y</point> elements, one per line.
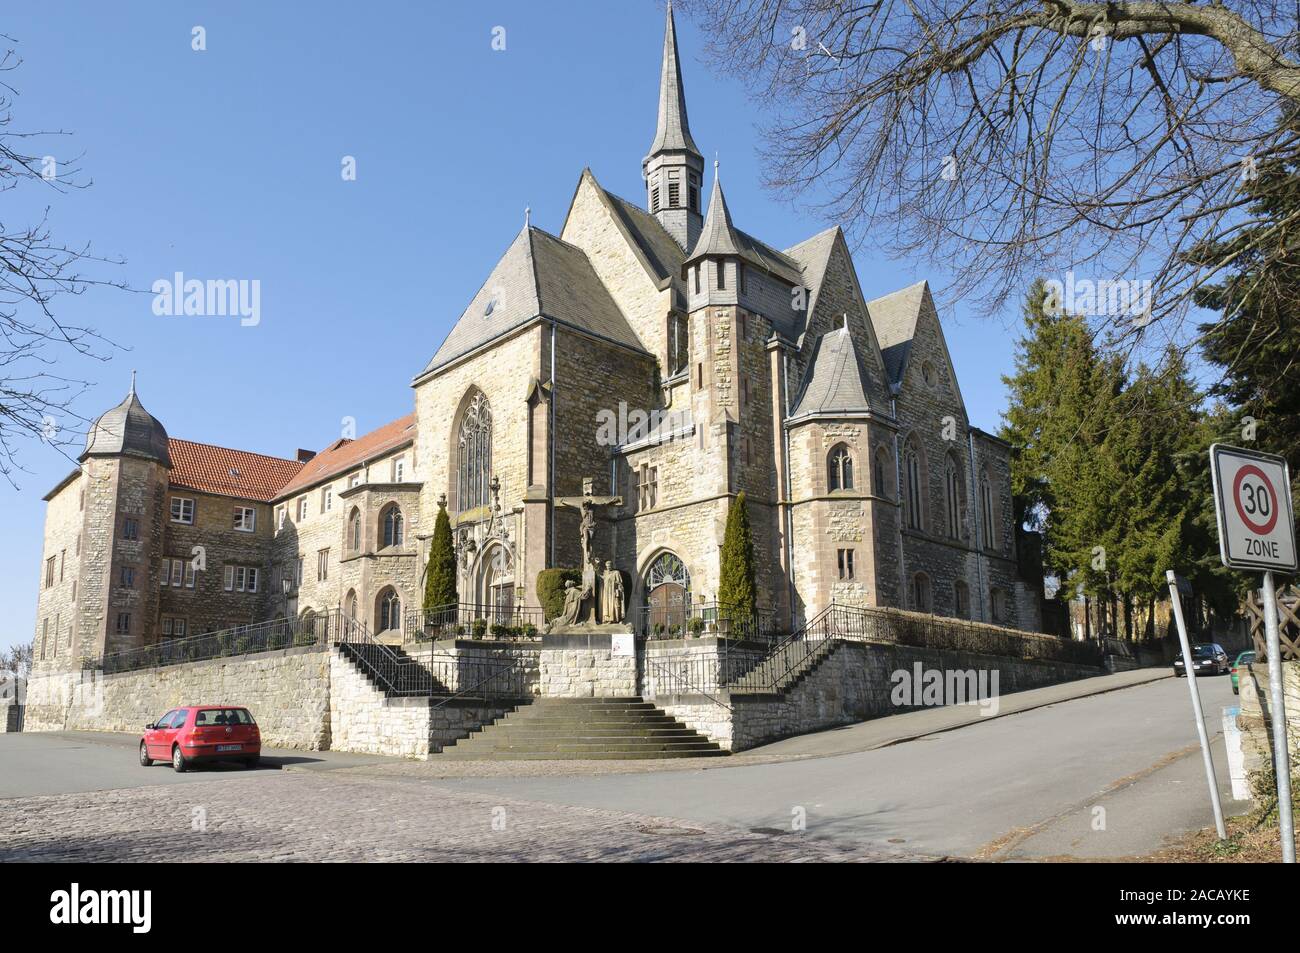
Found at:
<point>587,505</point>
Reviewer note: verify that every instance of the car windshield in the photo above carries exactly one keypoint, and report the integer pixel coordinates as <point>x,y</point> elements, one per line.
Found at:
<point>1246,658</point>
<point>209,717</point>
<point>1203,651</point>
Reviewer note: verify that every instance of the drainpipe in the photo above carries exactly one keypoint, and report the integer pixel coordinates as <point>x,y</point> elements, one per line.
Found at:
<point>550,454</point>
<point>898,504</point>
<point>979,546</point>
<point>787,507</point>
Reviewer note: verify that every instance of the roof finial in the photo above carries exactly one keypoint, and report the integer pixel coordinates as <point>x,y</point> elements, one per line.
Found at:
<point>133,380</point>
<point>528,214</point>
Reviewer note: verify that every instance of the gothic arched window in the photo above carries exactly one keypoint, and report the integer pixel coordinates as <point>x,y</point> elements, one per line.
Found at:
<point>954,496</point>
<point>354,530</point>
<point>987,514</point>
<point>914,475</point>
<point>839,474</point>
<point>389,616</point>
<point>921,592</point>
<point>474,460</point>
<point>393,526</point>
<point>881,487</point>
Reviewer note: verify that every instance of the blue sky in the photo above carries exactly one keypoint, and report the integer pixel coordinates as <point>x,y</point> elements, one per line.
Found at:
<point>226,163</point>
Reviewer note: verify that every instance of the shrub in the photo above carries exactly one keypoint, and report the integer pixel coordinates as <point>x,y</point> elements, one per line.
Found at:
<point>478,628</point>
<point>736,583</point>
<point>696,626</point>
<point>440,574</point>
<point>550,590</point>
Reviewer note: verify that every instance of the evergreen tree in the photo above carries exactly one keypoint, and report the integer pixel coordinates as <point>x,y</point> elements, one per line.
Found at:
<point>736,585</point>
<point>440,574</point>
<point>1256,343</point>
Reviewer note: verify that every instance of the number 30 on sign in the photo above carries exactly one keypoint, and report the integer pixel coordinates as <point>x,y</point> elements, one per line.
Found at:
<point>1252,498</point>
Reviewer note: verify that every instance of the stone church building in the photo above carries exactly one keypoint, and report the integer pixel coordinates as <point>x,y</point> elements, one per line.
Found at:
<point>729,366</point>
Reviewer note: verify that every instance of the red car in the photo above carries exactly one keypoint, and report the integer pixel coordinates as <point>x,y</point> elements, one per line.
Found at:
<point>184,736</point>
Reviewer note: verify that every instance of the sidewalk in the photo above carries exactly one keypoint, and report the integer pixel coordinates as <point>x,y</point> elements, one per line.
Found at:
<point>897,729</point>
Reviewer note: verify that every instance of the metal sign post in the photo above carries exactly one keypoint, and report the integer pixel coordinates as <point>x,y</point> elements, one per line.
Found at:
<point>1190,669</point>
<point>1252,501</point>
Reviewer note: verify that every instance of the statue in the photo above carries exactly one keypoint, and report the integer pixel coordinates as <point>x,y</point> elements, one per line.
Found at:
<point>599,597</point>
<point>586,505</point>
<point>611,601</point>
<point>574,597</point>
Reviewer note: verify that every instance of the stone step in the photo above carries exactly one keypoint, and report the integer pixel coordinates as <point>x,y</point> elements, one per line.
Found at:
<point>588,732</point>
<point>451,754</point>
<point>583,728</point>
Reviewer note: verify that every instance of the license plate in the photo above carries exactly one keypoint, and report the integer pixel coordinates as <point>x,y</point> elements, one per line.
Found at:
<point>230,747</point>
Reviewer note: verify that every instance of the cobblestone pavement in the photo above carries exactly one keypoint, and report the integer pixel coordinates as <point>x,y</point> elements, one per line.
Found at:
<point>340,816</point>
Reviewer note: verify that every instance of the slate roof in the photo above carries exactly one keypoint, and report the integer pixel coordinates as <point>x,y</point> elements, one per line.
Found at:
<point>659,247</point>
<point>837,382</point>
<point>894,317</point>
<point>344,454</point>
<point>720,237</point>
<point>672,131</point>
<point>128,429</point>
<point>539,274</point>
<point>812,255</point>
<point>225,472</point>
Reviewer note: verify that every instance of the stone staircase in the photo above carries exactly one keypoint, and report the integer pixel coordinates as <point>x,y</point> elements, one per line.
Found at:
<point>390,670</point>
<point>784,669</point>
<point>570,729</point>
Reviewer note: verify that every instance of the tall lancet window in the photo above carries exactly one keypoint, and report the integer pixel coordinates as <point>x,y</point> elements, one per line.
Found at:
<point>475,454</point>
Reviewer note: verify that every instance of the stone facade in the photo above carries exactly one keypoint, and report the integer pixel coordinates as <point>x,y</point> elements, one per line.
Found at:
<point>368,723</point>
<point>851,685</point>
<point>729,366</point>
<point>585,666</point>
<point>288,692</point>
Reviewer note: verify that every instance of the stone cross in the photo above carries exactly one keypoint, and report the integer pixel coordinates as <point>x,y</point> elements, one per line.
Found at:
<point>587,504</point>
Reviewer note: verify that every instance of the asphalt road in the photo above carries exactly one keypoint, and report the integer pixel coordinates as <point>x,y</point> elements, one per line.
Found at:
<point>1107,775</point>
<point>69,762</point>
<point>1025,785</point>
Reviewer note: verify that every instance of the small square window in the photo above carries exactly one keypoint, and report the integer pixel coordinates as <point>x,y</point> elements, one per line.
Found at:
<point>182,510</point>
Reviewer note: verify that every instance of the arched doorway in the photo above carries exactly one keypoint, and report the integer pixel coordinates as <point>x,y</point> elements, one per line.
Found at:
<point>667,597</point>
<point>495,583</point>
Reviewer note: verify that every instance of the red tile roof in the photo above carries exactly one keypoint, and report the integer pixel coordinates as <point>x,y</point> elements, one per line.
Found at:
<point>345,454</point>
<point>209,469</point>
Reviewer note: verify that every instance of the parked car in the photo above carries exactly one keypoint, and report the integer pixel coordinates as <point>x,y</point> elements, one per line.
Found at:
<point>1243,661</point>
<point>185,736</point>
<point>1208,658</point>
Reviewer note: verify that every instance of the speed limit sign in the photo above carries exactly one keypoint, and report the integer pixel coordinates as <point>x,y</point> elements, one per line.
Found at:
<point>1252,497</point>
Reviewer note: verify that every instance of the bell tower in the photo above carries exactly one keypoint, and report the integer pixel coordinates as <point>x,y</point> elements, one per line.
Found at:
<point>674,167</point>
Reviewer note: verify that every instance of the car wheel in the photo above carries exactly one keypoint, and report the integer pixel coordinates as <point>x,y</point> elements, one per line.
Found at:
<point>251,762</point>
<point>145,760</point>
<point>178,760</point>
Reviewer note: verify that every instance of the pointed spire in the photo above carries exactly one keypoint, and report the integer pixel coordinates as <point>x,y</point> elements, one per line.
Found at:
<point>718,237</point>
<point>672,131</point>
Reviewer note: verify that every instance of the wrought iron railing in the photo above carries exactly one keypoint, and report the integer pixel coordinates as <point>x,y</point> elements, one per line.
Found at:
<point>467,620</point>
<point>727,668</point>
<point>442,675</point>
<point>308,629</point>
<point>706,618</point>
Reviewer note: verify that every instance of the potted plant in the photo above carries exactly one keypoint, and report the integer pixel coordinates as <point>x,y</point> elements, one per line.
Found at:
<point>697,627</point>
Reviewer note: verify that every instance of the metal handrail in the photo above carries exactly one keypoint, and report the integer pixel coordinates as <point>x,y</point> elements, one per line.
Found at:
<point>423,625</point>
<point>271,635</point>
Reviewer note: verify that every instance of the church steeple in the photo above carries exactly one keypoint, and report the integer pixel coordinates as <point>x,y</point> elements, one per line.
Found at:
<point>674,166</point>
